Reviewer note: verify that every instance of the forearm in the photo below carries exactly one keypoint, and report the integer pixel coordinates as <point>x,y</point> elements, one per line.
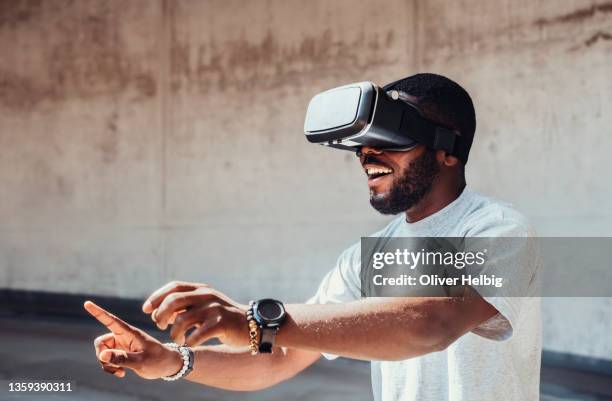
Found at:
<point>382,328</point>
<point>236,369</point>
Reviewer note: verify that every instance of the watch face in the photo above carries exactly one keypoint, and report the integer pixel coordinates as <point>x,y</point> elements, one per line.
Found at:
<point>270,310</point>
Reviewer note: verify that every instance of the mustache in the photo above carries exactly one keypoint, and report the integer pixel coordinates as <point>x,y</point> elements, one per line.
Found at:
<point>371,159</point>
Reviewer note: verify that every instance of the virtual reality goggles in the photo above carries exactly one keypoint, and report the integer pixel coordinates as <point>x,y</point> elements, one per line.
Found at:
<point>363,114</point>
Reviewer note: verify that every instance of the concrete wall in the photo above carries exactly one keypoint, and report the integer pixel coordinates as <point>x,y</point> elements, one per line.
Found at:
<point>146,141</point>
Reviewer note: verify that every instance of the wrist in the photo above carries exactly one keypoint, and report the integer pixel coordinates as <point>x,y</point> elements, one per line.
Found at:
<point>188,357</point>
<point>298,317</point>
<point>267,314</point>
<point>173,362</point>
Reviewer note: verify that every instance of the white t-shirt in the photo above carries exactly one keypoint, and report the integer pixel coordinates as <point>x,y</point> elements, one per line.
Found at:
<point>500,360</point>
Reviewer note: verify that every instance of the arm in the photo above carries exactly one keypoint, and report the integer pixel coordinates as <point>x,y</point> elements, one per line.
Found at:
<point>236,369</point>
<point>383,328</point>
<point>378,328</point>
<point>374,328</point>
<point>126,346</point>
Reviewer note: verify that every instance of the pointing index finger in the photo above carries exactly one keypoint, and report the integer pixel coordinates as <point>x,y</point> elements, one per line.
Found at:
<point>112,322</point>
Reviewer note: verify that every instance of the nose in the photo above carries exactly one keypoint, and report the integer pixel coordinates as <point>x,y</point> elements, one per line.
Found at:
<point>368,150</point>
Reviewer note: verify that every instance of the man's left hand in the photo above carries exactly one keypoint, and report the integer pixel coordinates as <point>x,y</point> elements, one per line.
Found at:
<point>207,311</point>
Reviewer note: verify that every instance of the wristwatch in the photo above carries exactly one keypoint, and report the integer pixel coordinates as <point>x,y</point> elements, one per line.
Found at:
<point>269,315</point>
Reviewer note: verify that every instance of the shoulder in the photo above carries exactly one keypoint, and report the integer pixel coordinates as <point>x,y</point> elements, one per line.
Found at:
<point>488,216</point>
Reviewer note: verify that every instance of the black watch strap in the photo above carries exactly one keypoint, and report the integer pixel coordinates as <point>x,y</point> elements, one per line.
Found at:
<point>268,335</point>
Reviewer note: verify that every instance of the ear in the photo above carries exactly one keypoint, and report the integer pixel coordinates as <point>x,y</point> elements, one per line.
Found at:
<point>447,159</point>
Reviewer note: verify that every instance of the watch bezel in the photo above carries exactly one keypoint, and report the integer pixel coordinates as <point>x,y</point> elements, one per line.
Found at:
<point>262,320</point>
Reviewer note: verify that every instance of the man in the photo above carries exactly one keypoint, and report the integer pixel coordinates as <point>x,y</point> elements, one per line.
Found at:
<point>468,347</point>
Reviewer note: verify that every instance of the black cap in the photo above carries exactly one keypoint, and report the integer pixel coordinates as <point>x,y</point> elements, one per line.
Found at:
<point>443,102</point>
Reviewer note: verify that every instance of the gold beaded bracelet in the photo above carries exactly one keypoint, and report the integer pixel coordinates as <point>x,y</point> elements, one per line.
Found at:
<point>253,331</point>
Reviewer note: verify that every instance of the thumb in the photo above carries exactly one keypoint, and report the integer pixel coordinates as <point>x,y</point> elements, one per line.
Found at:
<point>118,357</point>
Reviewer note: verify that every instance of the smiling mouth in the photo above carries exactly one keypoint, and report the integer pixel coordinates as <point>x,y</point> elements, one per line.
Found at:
<point>377,171</point>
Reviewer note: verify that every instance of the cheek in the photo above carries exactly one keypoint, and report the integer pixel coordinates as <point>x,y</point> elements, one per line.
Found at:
<point>401,160</point>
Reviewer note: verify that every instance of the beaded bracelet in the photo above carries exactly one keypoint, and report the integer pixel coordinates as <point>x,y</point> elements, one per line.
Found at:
<point>188,359</point>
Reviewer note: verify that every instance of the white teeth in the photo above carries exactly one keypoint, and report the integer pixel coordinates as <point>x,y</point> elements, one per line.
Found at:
<point>376,170</point>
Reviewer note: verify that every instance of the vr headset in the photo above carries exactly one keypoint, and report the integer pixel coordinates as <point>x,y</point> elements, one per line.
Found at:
<point>363,114</point>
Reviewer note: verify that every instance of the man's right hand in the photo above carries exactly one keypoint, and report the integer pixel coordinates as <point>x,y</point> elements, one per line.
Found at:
<point>129,347</point>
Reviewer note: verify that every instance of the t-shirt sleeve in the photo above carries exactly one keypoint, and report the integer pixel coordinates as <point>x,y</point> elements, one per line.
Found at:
<point>513,256</point>
<point>342,283</point>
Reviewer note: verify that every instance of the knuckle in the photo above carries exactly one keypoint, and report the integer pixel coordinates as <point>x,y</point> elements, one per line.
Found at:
<point>172,298</point>
<point>178,285</point>
<point>217,309</point>
<point>215,319</point>
<point>174,283</point>
<point>168,302</point>
<point>202,291</point>
<point>98,341</point>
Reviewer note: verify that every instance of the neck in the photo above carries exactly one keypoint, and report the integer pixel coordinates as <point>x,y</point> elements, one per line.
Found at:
<point>436,199</point>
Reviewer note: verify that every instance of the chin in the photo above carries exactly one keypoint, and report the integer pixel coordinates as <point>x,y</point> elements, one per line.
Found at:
<point>378,197</point>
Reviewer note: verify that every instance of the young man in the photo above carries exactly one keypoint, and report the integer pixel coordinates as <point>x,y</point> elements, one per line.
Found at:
<point>471,347</point>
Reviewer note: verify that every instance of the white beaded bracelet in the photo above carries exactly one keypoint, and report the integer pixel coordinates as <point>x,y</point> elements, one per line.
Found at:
<point>188,358</point>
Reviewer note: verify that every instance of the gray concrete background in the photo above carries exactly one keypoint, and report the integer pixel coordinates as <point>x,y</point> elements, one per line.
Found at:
<point>145,141</point>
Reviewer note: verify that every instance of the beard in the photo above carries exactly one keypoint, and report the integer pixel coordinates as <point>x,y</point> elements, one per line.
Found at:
<point>410,187</point>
